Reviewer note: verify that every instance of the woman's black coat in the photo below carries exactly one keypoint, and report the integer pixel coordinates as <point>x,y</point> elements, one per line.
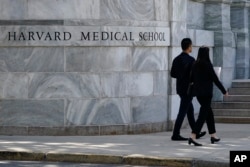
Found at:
<point>203,76</point>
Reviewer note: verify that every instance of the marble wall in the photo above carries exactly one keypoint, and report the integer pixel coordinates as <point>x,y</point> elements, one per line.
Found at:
<point>89,87</point>
<point>100,87</point>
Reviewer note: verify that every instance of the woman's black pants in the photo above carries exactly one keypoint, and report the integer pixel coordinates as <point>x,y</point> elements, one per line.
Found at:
<point>205,115</point>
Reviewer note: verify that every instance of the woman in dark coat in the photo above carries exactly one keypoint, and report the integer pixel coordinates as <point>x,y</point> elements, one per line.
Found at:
<point>202,78</point>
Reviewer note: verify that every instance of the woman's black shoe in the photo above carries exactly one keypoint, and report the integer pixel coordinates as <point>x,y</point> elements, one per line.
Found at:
<point>213,140</point>
<point>201,135</point>
<point>191,141</point>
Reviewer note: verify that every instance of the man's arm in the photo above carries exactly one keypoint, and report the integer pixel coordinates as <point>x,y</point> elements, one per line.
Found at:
<point>174,69</point>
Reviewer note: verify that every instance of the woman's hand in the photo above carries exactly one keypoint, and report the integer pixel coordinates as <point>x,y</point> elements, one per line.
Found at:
<point>227,94</point>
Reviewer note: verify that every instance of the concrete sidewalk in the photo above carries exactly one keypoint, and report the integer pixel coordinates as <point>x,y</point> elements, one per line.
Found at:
<point>151,149</point>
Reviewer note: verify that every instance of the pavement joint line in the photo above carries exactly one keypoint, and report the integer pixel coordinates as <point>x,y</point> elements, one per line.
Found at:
<point>109,159</point>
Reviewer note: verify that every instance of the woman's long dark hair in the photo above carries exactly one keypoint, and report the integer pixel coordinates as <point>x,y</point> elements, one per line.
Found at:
<point>203,57</point>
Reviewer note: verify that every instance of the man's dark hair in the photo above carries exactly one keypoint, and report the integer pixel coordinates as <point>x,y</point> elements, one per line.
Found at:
<point>185,43</point>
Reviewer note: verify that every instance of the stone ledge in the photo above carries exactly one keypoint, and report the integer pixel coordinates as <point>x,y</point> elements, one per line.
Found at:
<point>241,4</point>
<point>94,130</point>
<point>86,22</point>
<point>109,159</point>
<point>31,22</point>
<point>219,1</point>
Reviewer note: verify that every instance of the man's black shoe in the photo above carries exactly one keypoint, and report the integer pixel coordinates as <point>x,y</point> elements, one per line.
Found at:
<point>179,138</point>
<point>201,135</point>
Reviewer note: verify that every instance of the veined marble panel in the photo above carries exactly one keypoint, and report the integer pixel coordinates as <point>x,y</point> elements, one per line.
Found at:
<point>32,113</point>
<point>242,73</point>
<point>242,57</point>
<point>98,59</point>
<point>30,59</point>
<point>127,9</point>
<point>179,31</point>
<point>204,38</point>
<point>191,34</point>
<point>224,38</point>
<point>161,83</point>
<point>224,57</point>
<point>227,76</point>
<point>63,9</point>
<point>127,84</point>
<point>217,16</point>
<point>174,105</point>
<point>239,19</point>
<point>162,10</point>
<point>45,9</point>
<point>242,40</point>
<point>13,9</point>
<point>226,22</point>
<point>149,109</point>
<point>201,37</point>
<point>15,85</point>
<point>150,59</point>
<point>59,85</point>
<point>3,79</point>
<point>196,15</point>
<point>213,19</point>
<point>98,112</point>
<point>178,10</point>
<point>82,9</point>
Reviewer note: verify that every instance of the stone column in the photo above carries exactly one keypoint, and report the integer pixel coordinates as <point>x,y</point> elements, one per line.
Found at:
<point>239,23</point>
<point>217,19</point>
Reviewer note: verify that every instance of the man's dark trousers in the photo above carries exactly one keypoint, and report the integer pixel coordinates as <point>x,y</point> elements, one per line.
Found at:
<point>186,108</point>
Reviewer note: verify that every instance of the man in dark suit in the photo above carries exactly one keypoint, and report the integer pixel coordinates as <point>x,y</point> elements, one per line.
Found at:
<point>181,68</point>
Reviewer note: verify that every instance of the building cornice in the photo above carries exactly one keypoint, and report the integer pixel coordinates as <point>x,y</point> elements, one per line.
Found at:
<point>202,1</point>
<point>219,1</point>
<point>234,3</point>
<point>241,4</point>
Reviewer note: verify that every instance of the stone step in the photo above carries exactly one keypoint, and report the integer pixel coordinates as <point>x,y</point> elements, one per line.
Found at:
<point>239,91</point>
<point>241,84</point>
<point>236,107</point>
<point>232,112</point>
<point>232,120</point>
<point>237,98</point>
<point>231,105</point>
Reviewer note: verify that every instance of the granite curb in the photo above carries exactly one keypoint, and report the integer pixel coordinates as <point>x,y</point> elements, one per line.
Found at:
<point>109,159</point>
